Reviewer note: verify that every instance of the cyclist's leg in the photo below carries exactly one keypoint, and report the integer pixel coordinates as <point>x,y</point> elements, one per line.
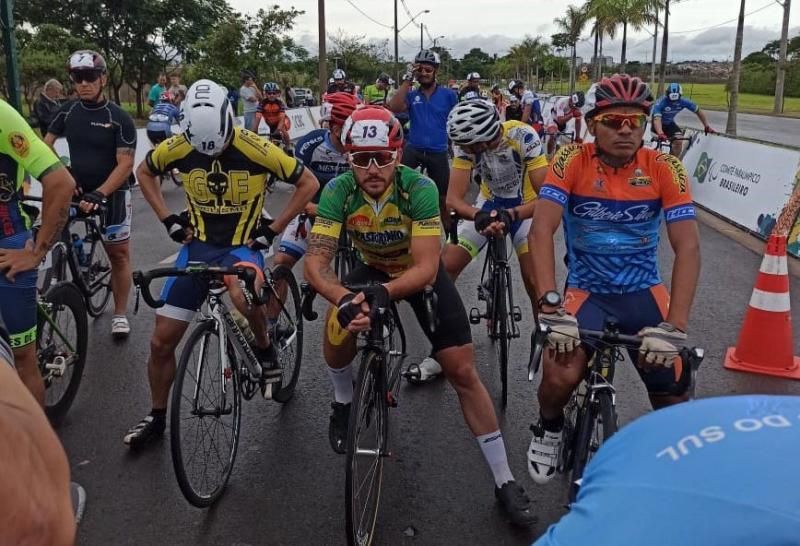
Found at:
<point>412,158</point>
<point>255,314</point>
<point>456,257</point>
<point>552,129</point>
<point>293,243</point>
<point>672,130</point>
<point>519,238</point>
<point>116,240</point>
<point>437,167</point>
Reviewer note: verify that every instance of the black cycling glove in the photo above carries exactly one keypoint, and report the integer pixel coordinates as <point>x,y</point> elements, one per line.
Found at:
<point>176,227</point>
<point>95,197</point>
<point>347,311</point>
<point>482,219</point>
<point>377,296</point>
<point>263,236</point>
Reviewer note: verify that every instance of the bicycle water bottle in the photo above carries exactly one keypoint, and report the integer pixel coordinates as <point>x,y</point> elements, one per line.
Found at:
<point>77,244</point>
<point>244,325</point>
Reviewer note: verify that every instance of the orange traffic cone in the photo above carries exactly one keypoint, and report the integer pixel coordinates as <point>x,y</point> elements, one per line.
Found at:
<point>765,341</point>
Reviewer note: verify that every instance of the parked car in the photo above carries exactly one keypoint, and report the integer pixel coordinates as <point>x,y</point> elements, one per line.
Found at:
<point>303,96</point>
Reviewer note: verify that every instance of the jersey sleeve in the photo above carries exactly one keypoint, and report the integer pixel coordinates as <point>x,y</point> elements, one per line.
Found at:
<point>425,218</point>
<point>462,160</point>
<point>658,108</point>
<point>126,132</point>
<point>58,126</point>
<point>532,152</point>
<point>268,155</point>
<point>689,105</point>
<point>558,181</point>
<point>673,184</point>
<point>330,210</point>
<point>21,143</point>
<point>159,158</point>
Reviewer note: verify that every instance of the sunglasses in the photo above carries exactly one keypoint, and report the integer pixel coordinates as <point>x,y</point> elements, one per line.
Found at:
<point>618,121</point>
<point>426,69</point>
<point>382,158</point>
<point>81,76</point>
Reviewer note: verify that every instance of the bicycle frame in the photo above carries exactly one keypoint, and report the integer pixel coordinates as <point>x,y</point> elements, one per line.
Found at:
<point>496,265</point>
<point>72,260</point>
<point>58,366</point>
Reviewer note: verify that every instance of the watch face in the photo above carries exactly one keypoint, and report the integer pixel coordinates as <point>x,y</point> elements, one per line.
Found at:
<point>552,298</point>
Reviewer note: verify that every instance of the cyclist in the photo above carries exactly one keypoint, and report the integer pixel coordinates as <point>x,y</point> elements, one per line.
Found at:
<point>513,109</point>
<point>665,111</point>
<point>102,143</point>
<point>162,116</point>
<point>377,93</point>
<point>610,194</point>
<point>563,110</point>
<point>339,84</point>
<point>322,152</point>
<point>224,170</point>
<point>22,151</point>
<point>392,215</point>
<point>529,104</point>
<point>472,88</point>
<point>499,101</point>
<point>272,109</point>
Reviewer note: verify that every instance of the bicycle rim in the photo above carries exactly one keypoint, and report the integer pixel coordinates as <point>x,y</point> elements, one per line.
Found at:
<point>61,344</point>
<point>501,334</point>
<point>598,422</point>
<point>98,278</point>
<point>287,333</point>
<point>204,445</point>
<point>366,442</point>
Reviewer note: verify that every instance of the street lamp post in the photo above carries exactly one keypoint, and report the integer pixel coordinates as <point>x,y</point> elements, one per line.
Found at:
<point>396,38</point>
<point>437,39</point>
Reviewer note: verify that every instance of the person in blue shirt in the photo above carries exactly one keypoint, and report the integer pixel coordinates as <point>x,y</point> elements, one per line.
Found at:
<point>665,110</point>
<point>162,116</point>
<point>428,107</point>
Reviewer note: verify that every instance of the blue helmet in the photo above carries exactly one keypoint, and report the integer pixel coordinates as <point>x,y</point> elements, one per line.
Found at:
<point>271,87</point>
<point>674,91</point>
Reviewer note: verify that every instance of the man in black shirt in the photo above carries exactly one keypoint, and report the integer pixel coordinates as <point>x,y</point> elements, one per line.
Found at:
<point>102,141</point>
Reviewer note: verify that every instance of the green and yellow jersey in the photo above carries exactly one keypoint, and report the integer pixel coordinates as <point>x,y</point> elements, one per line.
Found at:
<point>225,194</point>
<point>381,229</point>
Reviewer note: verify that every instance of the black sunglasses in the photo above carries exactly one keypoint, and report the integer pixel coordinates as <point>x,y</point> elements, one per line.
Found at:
<point>81,76</point>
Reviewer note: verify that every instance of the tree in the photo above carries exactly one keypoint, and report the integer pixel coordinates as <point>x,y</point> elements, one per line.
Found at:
<point>736,74</point>
<point>363,61</point>
<point>476,60</point>
<point>635,14</point>
<point>526,55</point>
<point>605,24</point>
<point>572,24</point>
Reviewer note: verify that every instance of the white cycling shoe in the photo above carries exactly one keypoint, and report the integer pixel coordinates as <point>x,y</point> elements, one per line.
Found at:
<point>543,454</point>
<point>120,327</point>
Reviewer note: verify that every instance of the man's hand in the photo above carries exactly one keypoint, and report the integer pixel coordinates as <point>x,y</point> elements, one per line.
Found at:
<point>494,223</point>
<point>311,209</point>
<point>14,261</point>
<point>578,140</point>
<point>709,130</point>
<point>659,343</point>
<point>662,137</point>
<point>564,336</point>
<point>576,113</point>
<point>91,201</point>
<point>263,237</point>
<point>377,296</point>
<point>411,73</point>
<point>179,228</point>
<point>353,313</point>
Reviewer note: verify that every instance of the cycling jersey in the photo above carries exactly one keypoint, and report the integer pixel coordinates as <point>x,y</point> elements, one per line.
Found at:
<point>560,109</point>
<point>95,132</point>
<point>667,109</point>
<point>272,110</point>
<point>20,151</point>
<point>429,118</point>
<point>318,153</point>
<point>469,93</point>
<point>611,216</point>
<point>504,170</point>
<point>381,229</point>
<point>373,95</point>
<point>225,193</point>
<point>528,97</point>
<point>162,116</point>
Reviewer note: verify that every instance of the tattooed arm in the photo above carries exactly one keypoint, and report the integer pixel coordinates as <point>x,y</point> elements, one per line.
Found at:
<point>318,271</point>
<point>121,172</point>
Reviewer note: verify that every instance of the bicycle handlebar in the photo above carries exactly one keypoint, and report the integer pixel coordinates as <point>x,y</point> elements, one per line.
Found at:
<point>73,206</point>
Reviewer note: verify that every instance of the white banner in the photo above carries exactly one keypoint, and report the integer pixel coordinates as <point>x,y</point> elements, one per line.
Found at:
<point>746,182</point>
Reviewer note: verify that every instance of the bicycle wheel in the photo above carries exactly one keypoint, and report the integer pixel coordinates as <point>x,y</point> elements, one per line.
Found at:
<point>500,327</point>
<point>61,343</point>
<point>205,417</point>
<point>366,444</point>
<point>288,334</point>
<point>97,276</point>
<point>596,424</point>
<point>58,268</point>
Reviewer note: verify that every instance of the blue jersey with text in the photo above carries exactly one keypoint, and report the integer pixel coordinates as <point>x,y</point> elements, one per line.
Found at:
<point>162,116</point>
<point>318,153</point>
<point>667,109</point>
<point>429,118</point>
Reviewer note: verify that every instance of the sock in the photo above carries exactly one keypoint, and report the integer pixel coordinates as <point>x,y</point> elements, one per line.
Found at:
<point>553,425</point>
<point>494,451</point>
<point>342,379</point>
<point>159,416</point>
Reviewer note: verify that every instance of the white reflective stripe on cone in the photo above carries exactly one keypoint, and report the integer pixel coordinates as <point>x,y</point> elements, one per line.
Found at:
<point>774,265</point>
<point>769,301</point>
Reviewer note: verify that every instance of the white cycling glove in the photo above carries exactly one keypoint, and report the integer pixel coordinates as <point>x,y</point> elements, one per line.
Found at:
<point>564,336</point>
<point>659,343</point>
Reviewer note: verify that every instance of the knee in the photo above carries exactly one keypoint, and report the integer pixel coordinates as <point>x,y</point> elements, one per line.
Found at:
<point>162,346</point>
<point>118,254</point>
<point>460,372</point>
<point>282,258</point>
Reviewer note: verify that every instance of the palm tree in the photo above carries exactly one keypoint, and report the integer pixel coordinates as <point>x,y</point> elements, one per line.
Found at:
<point>606,21</point>
<point>730,128</point>
<point>529,53</point>
<point>635,14</point>
<point>572,24</point>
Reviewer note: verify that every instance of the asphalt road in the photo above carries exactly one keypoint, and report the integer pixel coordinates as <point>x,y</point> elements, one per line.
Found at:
<point>775,129</point>
<point>288,486</point>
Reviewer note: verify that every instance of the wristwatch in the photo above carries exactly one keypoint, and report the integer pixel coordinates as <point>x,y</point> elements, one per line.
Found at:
<point>551,298</point>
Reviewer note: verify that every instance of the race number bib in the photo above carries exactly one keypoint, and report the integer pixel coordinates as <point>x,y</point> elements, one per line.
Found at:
<point>370,133</point>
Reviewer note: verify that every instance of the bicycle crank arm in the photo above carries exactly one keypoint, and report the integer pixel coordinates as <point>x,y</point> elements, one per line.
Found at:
<point>216,412</point>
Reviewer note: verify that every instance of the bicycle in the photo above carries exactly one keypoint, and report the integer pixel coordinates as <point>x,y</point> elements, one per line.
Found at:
<point>562,138</point>
<point>90,271</point>
<point>668,146</point>
<point>217,368</point>
<point>590,416</point>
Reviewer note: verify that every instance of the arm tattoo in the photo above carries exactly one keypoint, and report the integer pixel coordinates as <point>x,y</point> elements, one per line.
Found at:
<point>322,245</point>
<point>126,151</point>
<point>60,222</point>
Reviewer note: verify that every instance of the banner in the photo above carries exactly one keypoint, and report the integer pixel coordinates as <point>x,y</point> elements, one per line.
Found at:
<point>746,182</point>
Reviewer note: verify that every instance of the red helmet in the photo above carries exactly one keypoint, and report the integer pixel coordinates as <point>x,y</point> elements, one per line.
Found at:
<point>621,90</point>
<point>337,107</point>
<point>372,128</point>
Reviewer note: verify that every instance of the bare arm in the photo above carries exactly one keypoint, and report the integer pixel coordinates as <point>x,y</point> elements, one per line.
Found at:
<point>304,191</point>
<point>398,101</point>
<point>685,241</point>
<point>317,268</point>
<point>151,191</point>
<point>702,117</point>
<point>526,112</point>
<point>546,220</point>
<point>456,190</point>
<point>120,173</point>
<point>425,253</point>
<point>57,189</point>
<point>50,140</point>
<point>659,128</point>
<point>535,179</point>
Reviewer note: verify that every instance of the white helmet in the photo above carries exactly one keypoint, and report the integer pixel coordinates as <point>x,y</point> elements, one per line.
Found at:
<point>207,117</point>
<point>473,76</point>
<point>473,121</point>
<point>339,74</point>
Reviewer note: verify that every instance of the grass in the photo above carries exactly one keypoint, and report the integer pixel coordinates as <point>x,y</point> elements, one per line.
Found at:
<point>712,96</point>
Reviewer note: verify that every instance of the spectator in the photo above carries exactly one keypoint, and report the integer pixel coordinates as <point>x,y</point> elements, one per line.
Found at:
<point>250,98</point>
<point>377,93</point>
<point>233,98</point>
<point>472,88</point>
<point>46,106</point>
<point>288,94</point>
<point>155,91</point>
<point>499,101</point>
<point>177,89</point>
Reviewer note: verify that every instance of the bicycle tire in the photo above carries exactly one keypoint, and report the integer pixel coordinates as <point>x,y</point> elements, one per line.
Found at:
<point>500,325</point>
<point>398,329</point>
<point>57,270</point>
<point>369,405</point>
<point>293,307</point>
<point>190,491</point>
<point>62,296</point>
<point>97,278</point>
<point>597,423</point>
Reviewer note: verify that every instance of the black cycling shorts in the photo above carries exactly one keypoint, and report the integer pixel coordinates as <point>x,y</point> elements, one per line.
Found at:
<point>670,129</point>
<point>452,324</point>
<point>156,137</point>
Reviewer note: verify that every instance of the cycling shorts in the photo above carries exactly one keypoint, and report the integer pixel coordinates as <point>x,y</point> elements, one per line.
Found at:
<point>18,298</point>
<point>553,127</point>
<point>117,220</point>
<point>158,136</point>
<point>452,330</point>
<point>472,241</point>
<point>185,295</point>
<point>634,311</point>
<point>294,239</point>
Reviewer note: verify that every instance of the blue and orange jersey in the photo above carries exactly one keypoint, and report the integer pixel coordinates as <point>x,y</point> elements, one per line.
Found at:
<point>612,216</point>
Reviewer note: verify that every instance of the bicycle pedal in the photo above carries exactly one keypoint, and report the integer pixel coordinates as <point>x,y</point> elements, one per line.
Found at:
<point>266,391</point>
<point>517,314</point>
<point>475,316</point>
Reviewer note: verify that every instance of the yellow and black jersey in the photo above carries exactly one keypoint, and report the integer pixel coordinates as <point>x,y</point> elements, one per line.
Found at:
<point>225,194</point>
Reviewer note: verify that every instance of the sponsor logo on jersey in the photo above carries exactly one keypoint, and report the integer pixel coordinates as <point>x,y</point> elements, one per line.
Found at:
<point>381,238</point>
<point>595,210</point>
<point>359,220</point>
<point>564,157</point>
<point>430,223</point>
<point>640,181</point>
<point>98,124</point>
<point>392,221</point>
<point>7,189</point>
<point>681,212</point>
<point>19,143</point>
<point>679,176</point>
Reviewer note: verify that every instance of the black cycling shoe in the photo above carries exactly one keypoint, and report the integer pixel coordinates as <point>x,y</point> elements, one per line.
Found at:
<point>145,432</point>
<point>337,430</point>
<point>516,504</point>
<point>268,358</point>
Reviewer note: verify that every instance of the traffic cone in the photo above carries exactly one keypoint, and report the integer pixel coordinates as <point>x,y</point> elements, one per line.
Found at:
<point>765,341</point>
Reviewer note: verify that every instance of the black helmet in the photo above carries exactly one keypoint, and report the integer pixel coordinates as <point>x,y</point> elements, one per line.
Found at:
<point>384,78</point>
<point>428,57</point>
<point>578,99</point>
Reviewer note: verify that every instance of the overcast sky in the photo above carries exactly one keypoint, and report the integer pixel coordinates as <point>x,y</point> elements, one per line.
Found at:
<point>495,25</point>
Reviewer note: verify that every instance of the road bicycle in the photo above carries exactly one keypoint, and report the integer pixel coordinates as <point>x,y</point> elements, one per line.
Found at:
<point>562,138</point>
<point>668,146</point>
<point>217,368</point>
<point>590,416</point>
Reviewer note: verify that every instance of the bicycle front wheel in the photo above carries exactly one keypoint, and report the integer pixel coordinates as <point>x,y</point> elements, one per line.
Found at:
<point>500,326</point>
<point>205,417</point>
<point>597,422</point>
<point>61,344</point>
<point>97,277</point>
<point>366,445</point>
<point>287,333</point>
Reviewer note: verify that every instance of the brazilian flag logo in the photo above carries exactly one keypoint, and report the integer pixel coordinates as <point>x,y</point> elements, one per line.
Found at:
<point>703,166</point>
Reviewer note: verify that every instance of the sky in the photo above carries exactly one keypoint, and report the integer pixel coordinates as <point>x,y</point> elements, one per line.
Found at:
<point>496,25</point>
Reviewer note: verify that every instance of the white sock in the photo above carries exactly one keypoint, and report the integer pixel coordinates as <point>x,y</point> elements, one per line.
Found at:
<point>342,379</point>
<point>494,451</point>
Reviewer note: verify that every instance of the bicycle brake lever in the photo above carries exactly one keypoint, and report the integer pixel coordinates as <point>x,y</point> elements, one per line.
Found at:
<point>136,301</point>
